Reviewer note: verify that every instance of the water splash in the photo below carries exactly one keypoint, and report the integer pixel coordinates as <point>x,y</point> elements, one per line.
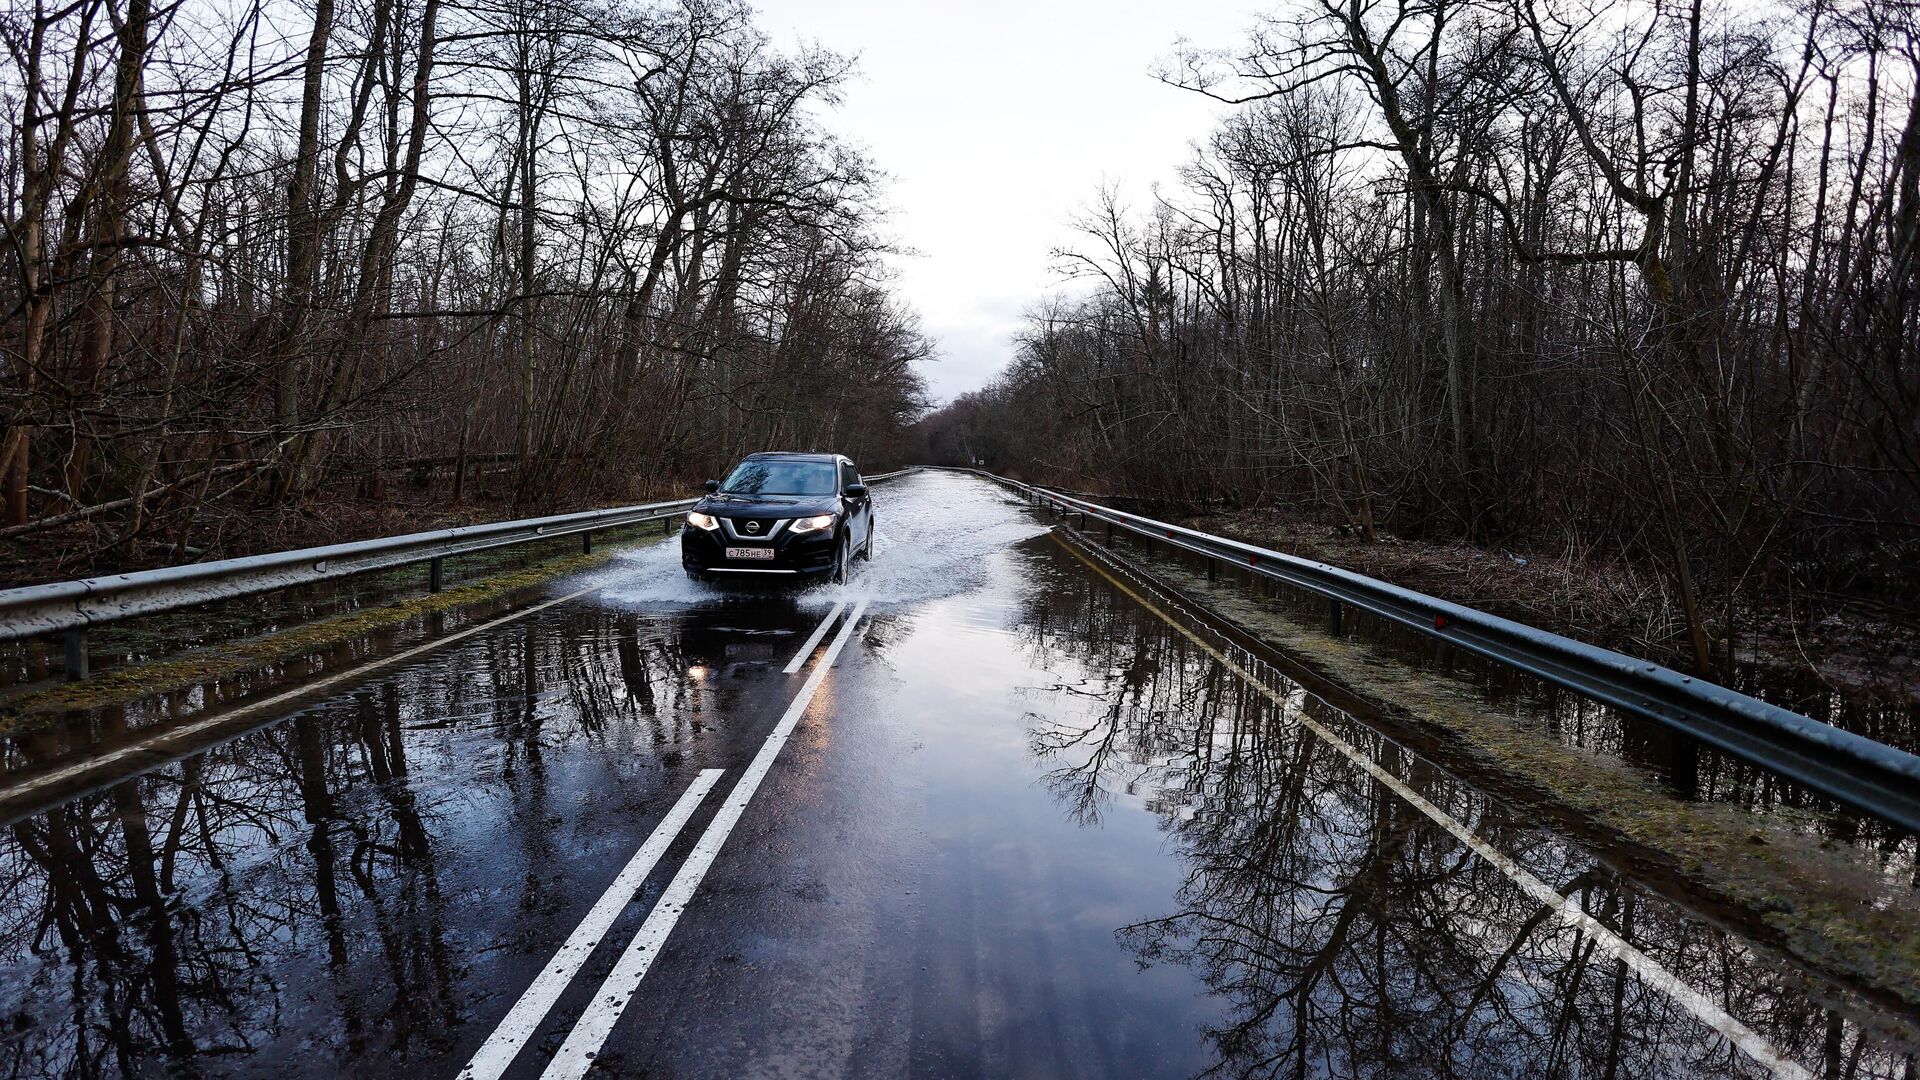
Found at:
<point>933,534</point>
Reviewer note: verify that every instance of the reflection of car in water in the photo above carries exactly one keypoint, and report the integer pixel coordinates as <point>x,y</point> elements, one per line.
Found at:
<point>780,516</point>
<point>716,642</point>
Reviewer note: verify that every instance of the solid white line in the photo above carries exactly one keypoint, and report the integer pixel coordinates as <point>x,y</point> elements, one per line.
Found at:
<point>186,732</point>
<point>1649,969</point>
<point>596,1022</point>
<point>524,1018</point>
<point>819,632</point>
<point>1705,1008</point>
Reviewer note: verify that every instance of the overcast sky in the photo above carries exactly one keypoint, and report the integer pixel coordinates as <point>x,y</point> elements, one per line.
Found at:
<point>998,120</point>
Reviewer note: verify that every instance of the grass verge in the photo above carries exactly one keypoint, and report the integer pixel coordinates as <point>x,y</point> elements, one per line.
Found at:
<point>38,709</point>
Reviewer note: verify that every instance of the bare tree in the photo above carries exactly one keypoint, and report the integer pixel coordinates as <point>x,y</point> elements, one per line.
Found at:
<point>259,258</point>
<point>1636,272</point>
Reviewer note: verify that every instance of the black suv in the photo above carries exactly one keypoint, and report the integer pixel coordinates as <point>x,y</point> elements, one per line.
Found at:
<point>778,515</point>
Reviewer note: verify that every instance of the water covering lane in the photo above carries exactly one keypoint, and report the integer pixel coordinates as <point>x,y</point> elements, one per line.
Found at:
<point>374,879</point>
<point>1027,827</point>
<point>1059,837</point>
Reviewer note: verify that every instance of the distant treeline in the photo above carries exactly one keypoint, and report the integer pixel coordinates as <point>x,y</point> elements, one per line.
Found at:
<point>255,250</point>
<point>1638,274</point>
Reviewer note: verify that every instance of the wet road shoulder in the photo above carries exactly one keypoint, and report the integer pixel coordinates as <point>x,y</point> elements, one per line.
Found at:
<point>25,791</point>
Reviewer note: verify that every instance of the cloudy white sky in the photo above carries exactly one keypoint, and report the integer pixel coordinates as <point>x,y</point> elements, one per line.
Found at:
<point>998,120</point>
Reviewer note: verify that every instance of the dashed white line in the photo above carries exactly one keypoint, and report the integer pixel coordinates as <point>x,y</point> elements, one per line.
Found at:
<point>800,658</point>
<point>521,1021</point>
<point>596,1022</point>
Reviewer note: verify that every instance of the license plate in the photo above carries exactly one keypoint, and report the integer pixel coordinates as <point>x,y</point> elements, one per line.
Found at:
<point>749,553</point>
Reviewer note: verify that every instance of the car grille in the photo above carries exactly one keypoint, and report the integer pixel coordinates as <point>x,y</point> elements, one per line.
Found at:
<point>738,528</point>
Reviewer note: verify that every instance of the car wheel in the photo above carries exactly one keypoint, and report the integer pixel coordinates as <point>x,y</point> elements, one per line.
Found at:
<point>841,559</point>
<point>866,553</point>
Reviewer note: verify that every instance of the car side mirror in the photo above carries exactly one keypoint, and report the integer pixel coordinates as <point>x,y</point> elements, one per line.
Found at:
<point>712,486</point>
<point>855,491</point>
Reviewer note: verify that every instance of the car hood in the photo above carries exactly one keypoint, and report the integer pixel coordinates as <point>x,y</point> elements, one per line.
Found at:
<point>768,506</point>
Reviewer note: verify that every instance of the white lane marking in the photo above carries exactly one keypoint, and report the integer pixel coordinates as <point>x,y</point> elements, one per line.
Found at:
<point>596,1022</point>
<point>819,632</point>
<point>524,1018</point>
<point>1706,1009</point>
<point>186,732</point>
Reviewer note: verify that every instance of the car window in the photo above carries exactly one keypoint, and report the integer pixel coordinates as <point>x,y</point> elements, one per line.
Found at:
<point>773,476</point>
<point>849,474</point>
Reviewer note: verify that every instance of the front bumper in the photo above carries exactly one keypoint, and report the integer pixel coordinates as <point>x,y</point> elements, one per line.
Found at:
<point>795,555</point>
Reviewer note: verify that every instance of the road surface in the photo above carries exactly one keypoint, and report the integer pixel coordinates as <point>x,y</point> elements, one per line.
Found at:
<point>980,812</point>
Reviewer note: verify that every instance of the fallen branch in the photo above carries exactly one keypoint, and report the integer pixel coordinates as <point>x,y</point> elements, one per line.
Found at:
<point>86,512</point>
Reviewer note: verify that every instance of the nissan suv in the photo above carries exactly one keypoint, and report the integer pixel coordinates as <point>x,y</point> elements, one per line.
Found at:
<point>780,516</point>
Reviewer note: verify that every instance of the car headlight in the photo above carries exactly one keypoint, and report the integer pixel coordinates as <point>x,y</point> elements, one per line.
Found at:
<point>702,521</point>
<point>815,523</point>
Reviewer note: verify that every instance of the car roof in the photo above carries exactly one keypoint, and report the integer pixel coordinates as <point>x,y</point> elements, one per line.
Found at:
<point>795,455</point>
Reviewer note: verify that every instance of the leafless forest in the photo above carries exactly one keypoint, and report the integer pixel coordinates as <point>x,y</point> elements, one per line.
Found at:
<point>1633,275</point>
<point>271,258</point>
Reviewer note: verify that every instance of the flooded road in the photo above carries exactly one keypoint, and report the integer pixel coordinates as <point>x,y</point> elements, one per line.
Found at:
<point>979,812</point>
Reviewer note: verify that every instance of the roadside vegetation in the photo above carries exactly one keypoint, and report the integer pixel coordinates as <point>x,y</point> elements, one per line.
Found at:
<point>1628,278</point>
<point>1857,646</point>
<point>279,272</point>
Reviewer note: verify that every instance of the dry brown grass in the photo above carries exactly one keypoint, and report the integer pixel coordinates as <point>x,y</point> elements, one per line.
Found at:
<point>238,526</point>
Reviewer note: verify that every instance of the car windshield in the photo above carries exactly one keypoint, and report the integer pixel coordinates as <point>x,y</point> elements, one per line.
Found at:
<point>773,476</point>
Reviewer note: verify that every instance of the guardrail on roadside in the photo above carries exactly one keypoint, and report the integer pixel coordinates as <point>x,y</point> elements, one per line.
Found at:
<point>71,607</point>
<point>1852,770</point>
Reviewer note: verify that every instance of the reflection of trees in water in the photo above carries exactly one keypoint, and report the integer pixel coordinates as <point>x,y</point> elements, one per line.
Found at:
<point>288,885</point>
<point>1349,935</point>
<point>1721,778</point>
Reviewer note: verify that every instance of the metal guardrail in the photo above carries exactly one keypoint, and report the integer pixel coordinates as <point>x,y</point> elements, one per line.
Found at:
<point>71,607</point>
<point>1852,770</point>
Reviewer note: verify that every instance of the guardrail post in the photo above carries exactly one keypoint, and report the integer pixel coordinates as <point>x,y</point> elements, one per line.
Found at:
<point>666,526</point>
<point>1334,612</point>
<point>586,542</point>
<point>1683,766</point>
<point>433,575</point>
<point>1109,534</point>
<point>1213,569</point>
<point>76,650</point>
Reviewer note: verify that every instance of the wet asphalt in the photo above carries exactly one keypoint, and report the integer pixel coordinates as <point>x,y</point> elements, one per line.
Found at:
<point>1024,827</point>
